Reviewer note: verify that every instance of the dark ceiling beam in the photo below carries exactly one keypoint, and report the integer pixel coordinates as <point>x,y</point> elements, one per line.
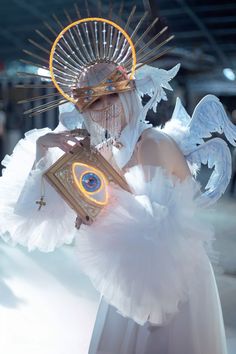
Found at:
<point>203,28</point>
<point>220,19</point>
<point>198,34</point>
<point>199,9</point>
<point>31,9</point>
<point>16,41</point>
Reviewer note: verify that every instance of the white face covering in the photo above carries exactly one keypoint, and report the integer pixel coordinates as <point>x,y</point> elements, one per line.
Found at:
<point>130,105</point>
<point>149,80</point>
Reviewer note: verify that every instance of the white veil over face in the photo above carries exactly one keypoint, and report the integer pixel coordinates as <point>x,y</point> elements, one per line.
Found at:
<point>136,124</point>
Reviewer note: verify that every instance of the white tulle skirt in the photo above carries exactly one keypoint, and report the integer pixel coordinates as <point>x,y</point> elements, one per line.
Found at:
<point>142,252</point>
<point>147,255</point>
<point>198,328</point>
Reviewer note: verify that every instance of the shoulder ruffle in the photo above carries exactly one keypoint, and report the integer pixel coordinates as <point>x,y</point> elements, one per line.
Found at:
<point>20,188</point>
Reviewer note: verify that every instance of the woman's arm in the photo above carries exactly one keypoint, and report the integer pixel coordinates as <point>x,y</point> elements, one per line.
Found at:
<point>158,149</point>
<point>49,140</point>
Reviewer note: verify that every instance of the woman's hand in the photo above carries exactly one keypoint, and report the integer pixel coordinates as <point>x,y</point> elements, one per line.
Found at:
<point>78,222</point>
<point>60,140</point>
<point>64,140</point>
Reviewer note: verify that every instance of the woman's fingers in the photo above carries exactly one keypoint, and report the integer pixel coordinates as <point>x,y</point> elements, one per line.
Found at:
<point>71,138</point>
<point>78,222</point>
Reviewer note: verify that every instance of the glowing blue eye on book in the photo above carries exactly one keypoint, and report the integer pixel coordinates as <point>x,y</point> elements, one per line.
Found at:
<point>90,182</point>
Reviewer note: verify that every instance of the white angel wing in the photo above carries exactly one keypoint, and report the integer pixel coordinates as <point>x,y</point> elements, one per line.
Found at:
<point>153,82</point>
<point>215,153</point>
<point>208,117</point>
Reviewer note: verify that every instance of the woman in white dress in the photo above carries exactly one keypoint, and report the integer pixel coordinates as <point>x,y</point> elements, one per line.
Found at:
<point>147,251</point>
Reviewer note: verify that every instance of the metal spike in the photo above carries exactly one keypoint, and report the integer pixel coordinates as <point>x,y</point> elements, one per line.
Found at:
<point>151,40</point>
<point>109,32</point>
<point>61,65</point>
<point>44,105</point>
<point>100,39</point>
<point>139,24</point>
<point>39,46</point>
<point>96,38</point>
<point>64,73</point>
<point>123,39</point>
<point>87,58</point>
<point>46,108</point>
<point>44,37</point>
<point>24,74</point>
<point>125,56</point>
<point>60,25</point>
<point>91,27</point>
<point>34,85</point>
<point>50,29</point>
<point>87,8</point>
<point>35,56</point>
<point>104,39</point>
<point>145,55</point>
<point>132,35</point>
<point>130,17</point>
<point>69,19</point>
<point>110,41</point>
<point>66,64</point>
<point>77,11</point>
<point>99,8</point>
<point>64,79</point>
<point>121,9</point>
<point>65,40</point>
<point>67,44</point>
<point>27,62</point>
<point>81,60</point>
<point>116,42</point>
<point>85,25</point>
<point>110,10</point>
<point>146,32</point>
<point>36,98</point>
<point>152,59</point>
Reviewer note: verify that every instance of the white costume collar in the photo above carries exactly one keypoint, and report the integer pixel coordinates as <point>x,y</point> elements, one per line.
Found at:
<point>128,139</point>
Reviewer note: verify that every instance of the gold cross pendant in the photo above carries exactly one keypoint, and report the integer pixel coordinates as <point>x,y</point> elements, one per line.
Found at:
<point>41,202</point>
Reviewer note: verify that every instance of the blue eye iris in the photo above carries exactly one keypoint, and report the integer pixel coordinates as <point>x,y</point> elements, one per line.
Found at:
<point>91,182</point>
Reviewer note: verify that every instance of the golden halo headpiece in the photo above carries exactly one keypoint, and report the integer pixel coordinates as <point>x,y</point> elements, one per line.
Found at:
<point>83,44</point>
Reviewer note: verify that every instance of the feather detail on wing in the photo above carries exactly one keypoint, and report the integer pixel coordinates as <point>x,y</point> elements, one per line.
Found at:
<point>152,81</point>
<point>214,153</point>
<point>208,117</point>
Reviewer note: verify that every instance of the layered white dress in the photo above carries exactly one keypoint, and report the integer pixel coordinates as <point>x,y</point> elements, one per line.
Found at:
<point>146,254</point>
<point>151,266</point>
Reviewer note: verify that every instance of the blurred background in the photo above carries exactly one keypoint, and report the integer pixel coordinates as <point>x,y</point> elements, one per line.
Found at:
<point>204,44</point>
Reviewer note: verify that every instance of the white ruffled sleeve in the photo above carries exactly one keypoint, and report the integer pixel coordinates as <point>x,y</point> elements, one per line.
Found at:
<point>142,251</point>
<point>20,187</point>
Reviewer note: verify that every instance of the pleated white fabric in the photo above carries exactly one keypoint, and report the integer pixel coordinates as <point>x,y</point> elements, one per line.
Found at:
<point>198,328</point>
<point>142,251</point>
<point>147,257</point>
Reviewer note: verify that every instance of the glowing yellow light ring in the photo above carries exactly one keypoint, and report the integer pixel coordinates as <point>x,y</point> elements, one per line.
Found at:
<point>89,19</point>
<point>80,186</point>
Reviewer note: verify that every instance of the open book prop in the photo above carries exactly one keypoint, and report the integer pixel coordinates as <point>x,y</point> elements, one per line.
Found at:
<point>82,177</point>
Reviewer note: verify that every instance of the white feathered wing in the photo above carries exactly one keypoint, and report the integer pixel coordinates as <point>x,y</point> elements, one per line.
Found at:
<point>208,117</point>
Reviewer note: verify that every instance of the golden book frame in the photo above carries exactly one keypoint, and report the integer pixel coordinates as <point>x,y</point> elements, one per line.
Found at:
<point>60,176</point>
